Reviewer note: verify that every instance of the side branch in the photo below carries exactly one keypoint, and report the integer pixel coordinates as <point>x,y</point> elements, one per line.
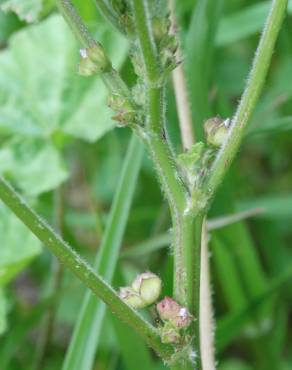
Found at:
<point>249,98</point>
<point>81,269</point>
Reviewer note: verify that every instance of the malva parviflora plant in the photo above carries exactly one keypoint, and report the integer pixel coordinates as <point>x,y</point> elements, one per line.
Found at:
<point>188,180</point>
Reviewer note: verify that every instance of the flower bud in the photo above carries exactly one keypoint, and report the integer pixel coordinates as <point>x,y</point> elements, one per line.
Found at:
<point>131,298</point>
<point>216,130</point>
<point>169,334</point>
<point>148,286</point>
<point>87,67</point>
<point>160,27</point>
<point>138,93</point>
<point>170,311</point>
<point>124,111</point>
<point>93,61</point>
<point>192,156</point>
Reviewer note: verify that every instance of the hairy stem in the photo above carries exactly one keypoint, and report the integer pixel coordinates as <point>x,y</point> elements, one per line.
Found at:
<point>107,11</point>
<point>249,98</point>
<point>111,79</point>
<point>75,22</point>
<point>146,40</point>
<point>81,269</point>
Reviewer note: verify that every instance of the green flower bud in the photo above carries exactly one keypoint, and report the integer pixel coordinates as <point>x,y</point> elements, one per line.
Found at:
<point>124,118</point>
<point>148,286</point>
<point>193,156</point>
<point>131,298</point>
<point>124,111</point>
<point>170,43</point>
<point>96,54</point>
<point>87,67</point>
<point>216,130</point>
<point>118,102</point>
<point>137,62</point>
<point>169,334</point>
<point>138,93</point>
<point>170,311</point>
<point>160,27</point>
<point>93,61</point>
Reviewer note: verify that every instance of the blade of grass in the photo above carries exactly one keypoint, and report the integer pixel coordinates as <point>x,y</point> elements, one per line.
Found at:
<point>251,20</point>
<point>82,348</point>
<point>199,46</point>
<point>229,327</point>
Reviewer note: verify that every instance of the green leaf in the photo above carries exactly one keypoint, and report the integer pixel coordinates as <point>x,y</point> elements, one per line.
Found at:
<point>276,206</point>
<point>42,97</point>
<point>199,47</point>
<point>40,79</point>
<point>27,10</point>
<point>250,19</point>
<point>17,245</point>
<point>36,166</point>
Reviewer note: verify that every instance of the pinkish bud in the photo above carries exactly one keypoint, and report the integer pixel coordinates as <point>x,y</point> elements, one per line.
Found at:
<point>169,310</point>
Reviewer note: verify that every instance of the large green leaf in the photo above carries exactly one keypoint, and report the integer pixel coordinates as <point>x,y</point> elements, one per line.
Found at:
<point>38,75</point>
<point>17,245</point>
<point>27,10</point>
<point>34,165</point>
<point>42,97</point>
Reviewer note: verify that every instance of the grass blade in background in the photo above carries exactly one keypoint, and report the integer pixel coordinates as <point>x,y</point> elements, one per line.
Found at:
<point>251,19</point>
<point>81,352</point>
<point>199,46</point>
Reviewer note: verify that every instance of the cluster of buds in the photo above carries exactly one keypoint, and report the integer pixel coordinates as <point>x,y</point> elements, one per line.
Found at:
<point>93,61</point>
<point>122,8</point>
<point>190,161</point>
<point>167,42</point>
<point>175,317</point>
<point>216,130</point>
<point>144,291</point>
<point>123,108</point>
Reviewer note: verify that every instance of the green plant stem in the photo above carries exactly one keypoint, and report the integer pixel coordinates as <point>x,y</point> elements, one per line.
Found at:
<point>185,228</point>
<point>111,78</point>
<point>81,269</point>
<point>171,184</point>
<point>75,22</point>
<point>107,11</point>
<point>146,40</point>
<point>159,147</point>
<point>249,98</point>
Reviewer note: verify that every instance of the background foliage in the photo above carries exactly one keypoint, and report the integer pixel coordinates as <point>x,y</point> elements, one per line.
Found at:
<point>57,138</point>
